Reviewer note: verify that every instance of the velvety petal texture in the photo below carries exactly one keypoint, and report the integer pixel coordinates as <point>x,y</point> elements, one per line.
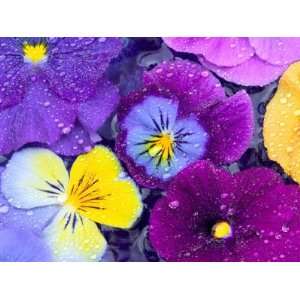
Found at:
<point>245,61</point>
<point>210,215</point>
<point>49,85</point>
<point>180,115</point>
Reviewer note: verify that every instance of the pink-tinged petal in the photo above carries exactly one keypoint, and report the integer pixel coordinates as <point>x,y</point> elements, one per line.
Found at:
<point>93,113</point>
<point>194,87</point>
<point>76,141</point>
<point>41,117</point>
<point>277,50</point>
<point>226,51</point>
<point>253,72</point>
<point>230,126</point>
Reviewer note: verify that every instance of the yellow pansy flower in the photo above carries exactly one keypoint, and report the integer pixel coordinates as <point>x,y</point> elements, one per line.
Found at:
<point>281,128</point>
<point>96,191</point>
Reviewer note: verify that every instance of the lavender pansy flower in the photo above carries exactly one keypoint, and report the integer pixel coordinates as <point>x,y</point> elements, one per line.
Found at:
<point>53,91</point>
<point>245,61</point>
<point>181,114</point>
<point>210,215</point>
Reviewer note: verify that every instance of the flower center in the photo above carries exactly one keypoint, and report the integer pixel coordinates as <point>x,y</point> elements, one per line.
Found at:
<point>221,230</point>
<point>35,53</point>
<point>161,145</point>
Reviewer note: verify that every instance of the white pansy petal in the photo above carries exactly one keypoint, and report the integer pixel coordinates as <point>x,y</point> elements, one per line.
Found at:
<point>34,177</point>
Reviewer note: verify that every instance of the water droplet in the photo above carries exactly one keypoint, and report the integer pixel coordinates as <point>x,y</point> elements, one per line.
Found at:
<point>174,204</point>
<point>285,228</point>
<point>4,209</point>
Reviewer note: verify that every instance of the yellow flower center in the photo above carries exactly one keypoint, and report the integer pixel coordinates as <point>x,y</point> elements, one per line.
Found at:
<point>161,145</point>
<point>221,230</point>
<point>35,53</point>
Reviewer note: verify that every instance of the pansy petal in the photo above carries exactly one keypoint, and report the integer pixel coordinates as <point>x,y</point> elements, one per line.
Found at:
<point>252,72</point>
<point>41,117</point>
<point>282,124</point>
<point>226,51</point>
<point>93,113</point>
<point>97,192</point>
<point>73,74</point>
<point>34,177</point>
<point>277,50</point>
<point>177,219</point>
<point>100,163</point>
<point>120,207</point>
<point>22,246</point>
<point>230,127</point>
<point>72,237</point>
<point>76,141</point>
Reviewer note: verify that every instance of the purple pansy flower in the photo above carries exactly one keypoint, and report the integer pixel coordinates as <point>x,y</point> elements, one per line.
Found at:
<point>53,91</point>
<point>210,215</point>
<point>180,115</point>
<point>245,61</point>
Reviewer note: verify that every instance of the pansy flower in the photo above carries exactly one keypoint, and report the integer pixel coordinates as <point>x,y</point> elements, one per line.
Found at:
<point>53,91</point>
<point>282,123</point>
<point>246,61</point>
<point>38,187</point>
<point>208,214</point>
<point>180,115</point>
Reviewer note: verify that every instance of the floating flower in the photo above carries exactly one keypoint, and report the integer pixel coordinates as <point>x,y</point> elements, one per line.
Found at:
<point>282,123</point>
<point>52,91</point>
<point>210,215</point>
<point>22,246</point>
<point>37,185</point>
<point>245,61</point>
<point>180,115</point>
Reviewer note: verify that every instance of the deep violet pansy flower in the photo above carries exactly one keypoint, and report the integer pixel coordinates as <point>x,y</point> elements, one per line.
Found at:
<point>53,91</point>
<point>246,61</point>
<point>208,214</point>
<point>181,114</point>
<point>17,245</point>
<point>64,209</point>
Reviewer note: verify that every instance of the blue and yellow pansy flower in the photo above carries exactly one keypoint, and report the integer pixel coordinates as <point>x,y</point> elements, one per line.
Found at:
<point>95,191</point>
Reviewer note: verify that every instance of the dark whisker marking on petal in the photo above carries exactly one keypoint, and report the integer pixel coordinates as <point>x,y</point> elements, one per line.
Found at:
<point>54,186</point>
<point>48,191</point>
<point>167,122</point>
<point>81,220</point>
<point>60,183</point>
<point>68,221</point>
<point>94,207</point>
<point>162,122</point>
<point>74,222</point>
<point>156,124</point>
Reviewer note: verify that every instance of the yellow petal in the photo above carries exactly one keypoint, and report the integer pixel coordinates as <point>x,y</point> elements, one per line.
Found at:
<point>282,119</point>
<point>97,192</point>
<point>72,237</point>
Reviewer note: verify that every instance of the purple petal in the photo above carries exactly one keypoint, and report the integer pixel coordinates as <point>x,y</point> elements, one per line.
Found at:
<point>176,220</point>
<point>277,51</point>
<point>262,212</point>
<point>250,73</point>
<point>230,125</point>
<point>77,141</point>
<point>22,246</point>
<point>41,117</point>
<point>75,65</point>
<point>93,113</point>
<point>225,51</point>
